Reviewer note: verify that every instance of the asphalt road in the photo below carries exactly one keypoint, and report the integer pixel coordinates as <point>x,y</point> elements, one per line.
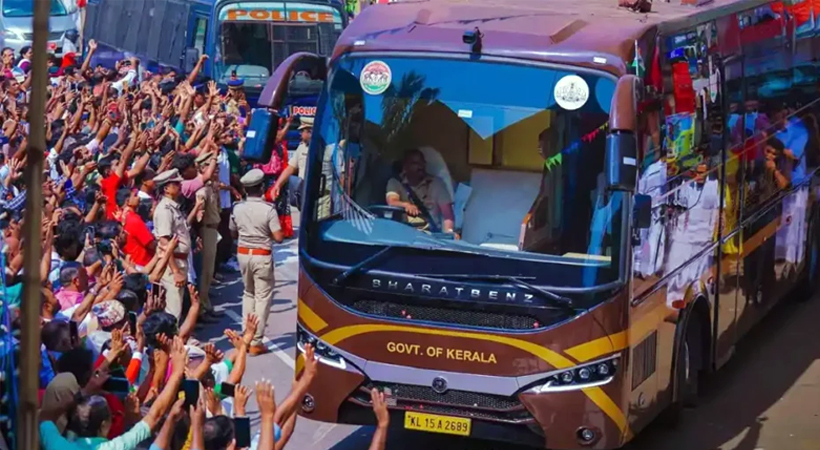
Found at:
<point>767,397</point>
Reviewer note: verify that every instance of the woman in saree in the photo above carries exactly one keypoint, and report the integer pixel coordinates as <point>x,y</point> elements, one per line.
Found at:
<point>272,169</point>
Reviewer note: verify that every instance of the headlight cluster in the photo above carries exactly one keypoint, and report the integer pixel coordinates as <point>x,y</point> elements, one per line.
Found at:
<point>324,352</point>
<point>580,377</point>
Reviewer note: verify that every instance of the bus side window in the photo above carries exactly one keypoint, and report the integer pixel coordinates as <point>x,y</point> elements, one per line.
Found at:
<point>200,32</point>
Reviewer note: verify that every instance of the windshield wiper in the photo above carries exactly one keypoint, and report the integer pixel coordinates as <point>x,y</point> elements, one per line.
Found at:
<point>362,265</point>
<point>557,299</point>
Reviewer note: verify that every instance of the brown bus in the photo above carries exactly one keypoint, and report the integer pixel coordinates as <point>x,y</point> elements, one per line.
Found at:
<point>542,221</point>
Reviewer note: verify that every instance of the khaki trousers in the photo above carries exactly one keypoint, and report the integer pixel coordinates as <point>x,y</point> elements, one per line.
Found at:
<point>173,294</point>
<point>258,276</point>
<point>210,237</point>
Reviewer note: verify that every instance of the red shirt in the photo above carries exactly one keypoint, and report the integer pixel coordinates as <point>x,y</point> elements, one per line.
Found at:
<point>137,239</point>
<point>109,186</point>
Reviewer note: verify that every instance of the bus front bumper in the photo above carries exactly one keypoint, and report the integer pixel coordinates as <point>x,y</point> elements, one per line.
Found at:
<point>556,420</point>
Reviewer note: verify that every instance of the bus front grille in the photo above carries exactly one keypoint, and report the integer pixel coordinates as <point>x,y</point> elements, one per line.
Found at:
<point>460,403</point>
<point>454,316</point>
<point>52,36</point>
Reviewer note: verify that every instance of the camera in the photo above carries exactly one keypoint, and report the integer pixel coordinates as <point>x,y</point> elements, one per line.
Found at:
<point>473,38</point>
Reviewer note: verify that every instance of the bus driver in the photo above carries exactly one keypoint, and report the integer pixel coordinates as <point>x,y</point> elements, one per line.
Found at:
<point>424,197</point>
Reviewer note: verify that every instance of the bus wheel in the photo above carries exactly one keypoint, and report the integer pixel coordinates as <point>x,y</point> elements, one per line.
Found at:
<point>686,374</point>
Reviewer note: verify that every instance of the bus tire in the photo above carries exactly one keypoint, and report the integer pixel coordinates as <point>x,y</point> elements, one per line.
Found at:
<point>686,372</point>
<point>811,277</point>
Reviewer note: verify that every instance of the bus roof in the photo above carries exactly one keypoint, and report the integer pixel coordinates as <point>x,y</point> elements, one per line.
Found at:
<point>560,31</point>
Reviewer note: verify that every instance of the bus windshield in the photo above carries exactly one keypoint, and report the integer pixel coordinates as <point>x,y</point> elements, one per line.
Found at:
<point>486,158</point>
<point>257,36</point>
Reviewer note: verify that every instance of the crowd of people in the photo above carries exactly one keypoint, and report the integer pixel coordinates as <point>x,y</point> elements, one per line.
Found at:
<point>143,211</point>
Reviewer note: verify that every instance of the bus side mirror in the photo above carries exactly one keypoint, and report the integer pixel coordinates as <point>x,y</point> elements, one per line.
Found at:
<point>642,211</point>
<point>191,58</point>
<point>276,89</point>
<point>621,164</point>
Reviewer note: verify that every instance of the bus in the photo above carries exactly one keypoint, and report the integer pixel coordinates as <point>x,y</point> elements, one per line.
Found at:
<point>544,226</point>
<point>249,37</point>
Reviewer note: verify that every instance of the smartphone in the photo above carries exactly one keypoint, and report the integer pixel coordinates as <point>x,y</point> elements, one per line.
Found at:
<point>117,385</point>
<point>132,321</point>
<point>157,290</point>
<point>74,332</point>
<point>228,389</point>
<point>242,431</point>
<point>191,390</point>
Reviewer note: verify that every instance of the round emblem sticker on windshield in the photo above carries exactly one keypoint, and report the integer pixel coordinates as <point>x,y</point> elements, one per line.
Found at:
<point>376,77</point>
<point>571,92</point>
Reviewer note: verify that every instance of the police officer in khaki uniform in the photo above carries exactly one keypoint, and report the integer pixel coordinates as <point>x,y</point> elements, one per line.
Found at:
<point>170,221</point>
<point>209,233</point>
<point>255,224</point>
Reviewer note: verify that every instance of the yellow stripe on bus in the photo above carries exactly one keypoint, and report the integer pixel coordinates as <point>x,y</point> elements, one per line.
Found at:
<point>597,395</point>
<point>598,347</point>
<point>311,320</point>
<point>611,409</point>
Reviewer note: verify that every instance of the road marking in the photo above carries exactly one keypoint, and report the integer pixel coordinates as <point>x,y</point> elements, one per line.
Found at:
<point>278,351</point>
<point>323,430</point>
<point>234,316</point>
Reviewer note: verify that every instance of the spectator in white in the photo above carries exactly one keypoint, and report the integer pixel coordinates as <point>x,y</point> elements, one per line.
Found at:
<point>4,168</point>
<point>25,59</point>
<point>129,69</point>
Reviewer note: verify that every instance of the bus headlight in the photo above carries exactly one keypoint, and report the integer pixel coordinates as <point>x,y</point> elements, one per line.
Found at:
<point>324,352</point>
<point>580,377</point>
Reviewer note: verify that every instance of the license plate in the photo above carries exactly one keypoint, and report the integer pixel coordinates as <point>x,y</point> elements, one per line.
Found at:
<point>437,424</point>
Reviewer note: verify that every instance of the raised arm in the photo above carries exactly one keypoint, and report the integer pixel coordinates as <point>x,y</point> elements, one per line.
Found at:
<point>294,399</point>
<point>179,359</point>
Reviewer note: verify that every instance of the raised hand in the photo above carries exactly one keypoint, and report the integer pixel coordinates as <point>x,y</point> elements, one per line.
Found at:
<point>117,344</point>
<point>240,399</point>
<point>179,355</point>
<point>194,294</point>
<point>266,400</point>
<point>380,408</point>
<point>212,354</point>
<point>234,338</point>
<point>251,325</point>
<point>311,363</point>
<point>213,403</point>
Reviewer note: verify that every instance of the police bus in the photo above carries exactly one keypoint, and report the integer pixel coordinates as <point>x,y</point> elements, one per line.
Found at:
<point>249,37</point>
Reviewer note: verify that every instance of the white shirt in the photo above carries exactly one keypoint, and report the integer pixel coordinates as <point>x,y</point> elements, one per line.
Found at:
<point>82,327</point>
<point>4,172</point>
<point>128,80</point>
